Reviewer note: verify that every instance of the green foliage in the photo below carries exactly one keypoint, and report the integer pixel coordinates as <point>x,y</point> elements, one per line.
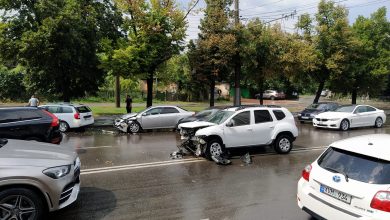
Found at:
<point>11,84</point>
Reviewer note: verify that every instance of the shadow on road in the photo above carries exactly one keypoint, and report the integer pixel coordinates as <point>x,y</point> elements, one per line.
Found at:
<point>92,203</point>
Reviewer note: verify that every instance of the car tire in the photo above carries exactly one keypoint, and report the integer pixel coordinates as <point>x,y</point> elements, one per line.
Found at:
<point>23,201</point>
<point>283,144</point>
<point>272,97</point>
<point>134,127</point>
<point>378,122</point>
<point>344,125</point>
<point>63,126</point>
<point>302,122</point>
<point>214,148</point>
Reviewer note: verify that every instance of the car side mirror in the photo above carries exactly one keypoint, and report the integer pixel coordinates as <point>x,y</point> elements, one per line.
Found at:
<point>230,123</point>
<point>145,114</point>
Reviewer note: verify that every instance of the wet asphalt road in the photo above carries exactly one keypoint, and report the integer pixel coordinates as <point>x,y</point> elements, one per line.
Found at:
<point>128,176</point>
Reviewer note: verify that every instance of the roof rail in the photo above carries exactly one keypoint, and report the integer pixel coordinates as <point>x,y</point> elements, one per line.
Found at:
<point>254,106</point>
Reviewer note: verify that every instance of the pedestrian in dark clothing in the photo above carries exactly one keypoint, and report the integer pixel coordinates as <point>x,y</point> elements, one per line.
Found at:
<point>129,103</point>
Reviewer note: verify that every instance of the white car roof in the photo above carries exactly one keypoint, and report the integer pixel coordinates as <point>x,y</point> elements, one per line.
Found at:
<point>65,104</point>
<point>373,145</point>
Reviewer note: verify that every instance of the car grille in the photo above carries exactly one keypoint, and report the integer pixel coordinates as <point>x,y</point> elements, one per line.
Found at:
<point>321,119</point>
<point>68,189</point>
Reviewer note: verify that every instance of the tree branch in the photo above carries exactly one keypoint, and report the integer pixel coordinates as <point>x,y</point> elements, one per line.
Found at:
<point>190,9</point>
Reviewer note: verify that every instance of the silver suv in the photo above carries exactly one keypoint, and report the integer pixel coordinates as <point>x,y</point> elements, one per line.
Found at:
<point>36,177</point>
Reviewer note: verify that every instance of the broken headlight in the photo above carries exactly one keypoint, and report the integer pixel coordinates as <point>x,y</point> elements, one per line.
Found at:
<point>200,140</point>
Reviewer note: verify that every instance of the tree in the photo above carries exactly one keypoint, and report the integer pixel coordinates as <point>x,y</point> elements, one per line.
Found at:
<point>156,30</point>
<point>330,39</point>
<point>216,45</point>
<point>56,42</point>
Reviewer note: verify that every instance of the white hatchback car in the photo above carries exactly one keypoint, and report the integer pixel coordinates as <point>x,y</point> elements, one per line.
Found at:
<point>350,180</point>
<point>70,115</point>
<point>350,116</point>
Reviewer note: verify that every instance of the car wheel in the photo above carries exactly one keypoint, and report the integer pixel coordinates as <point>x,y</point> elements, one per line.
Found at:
<point>63,126</point>
<point>20,203</point>
<point>283,144</point>
<point>272,97</point>
<point>214,148</point>
<point>302,122</point>
<point>134,127</point>
<point>378,122</point>
<point>344,125</point>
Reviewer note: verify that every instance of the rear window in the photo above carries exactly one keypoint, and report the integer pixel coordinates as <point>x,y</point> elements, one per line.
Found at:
<point>357,166</point>
<point>279,114</point>
<point>83,109</point>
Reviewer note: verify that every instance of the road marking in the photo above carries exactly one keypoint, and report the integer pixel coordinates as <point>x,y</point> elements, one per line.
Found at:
<point>141,165</point>
<point>175,162</point>
<point>81,148</point>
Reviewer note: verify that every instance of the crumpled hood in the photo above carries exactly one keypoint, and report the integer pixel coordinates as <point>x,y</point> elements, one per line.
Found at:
<point>330,115</point>
<point>130,115</point>
<point>32,153</point>
<point>196,124</point>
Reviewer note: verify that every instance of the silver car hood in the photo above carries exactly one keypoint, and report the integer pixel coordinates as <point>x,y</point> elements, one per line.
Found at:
<point>130,115</point>
<point>32,153</point>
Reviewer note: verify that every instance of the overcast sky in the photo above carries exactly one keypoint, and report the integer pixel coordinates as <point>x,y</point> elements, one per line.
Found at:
<point>268,10</point>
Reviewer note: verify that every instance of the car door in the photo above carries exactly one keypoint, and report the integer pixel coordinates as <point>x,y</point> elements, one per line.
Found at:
<point>30,124</point>
<point>66,114</point>
<point>9,123</point>
<point>372,114</point>
<point>359,117</point>
<point>263,127</point>
<point>169,117</point>
<point>151,118</point>
<point>241,131</point>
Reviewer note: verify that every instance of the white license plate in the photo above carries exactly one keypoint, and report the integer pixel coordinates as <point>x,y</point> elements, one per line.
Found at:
<point>336,194</point>
<point>304,117</point>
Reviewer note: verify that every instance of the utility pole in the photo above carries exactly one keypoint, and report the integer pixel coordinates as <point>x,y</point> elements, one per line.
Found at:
<point>237,59</point>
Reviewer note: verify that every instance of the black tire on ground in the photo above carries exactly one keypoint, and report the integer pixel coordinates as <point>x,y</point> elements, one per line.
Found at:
<point>378,122</point>
<point>214,147</point>
<point>134,127</point>
<point>27,203</point>
<point>344,125</point>
<point>283,144</point>
<point>63,126</point>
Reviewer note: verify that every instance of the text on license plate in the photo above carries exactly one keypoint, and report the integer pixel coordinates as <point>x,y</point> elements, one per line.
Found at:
<point>304,117</point>
<point>336,194</point>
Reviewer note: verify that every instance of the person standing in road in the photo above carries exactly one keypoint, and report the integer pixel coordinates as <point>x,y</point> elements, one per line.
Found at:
<point>129,103</point>
<point>33,102</point>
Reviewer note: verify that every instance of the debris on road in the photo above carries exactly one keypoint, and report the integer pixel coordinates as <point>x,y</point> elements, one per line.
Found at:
<point>247,159</point>
<point>221,160</point>
<point>176,155</point>
<point>108,132</point>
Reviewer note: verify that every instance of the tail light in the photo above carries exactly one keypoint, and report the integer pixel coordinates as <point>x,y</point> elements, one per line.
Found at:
<point>381,201</point>
<point>306,172</point>
<point>77,115</point>
<point>54,122</point>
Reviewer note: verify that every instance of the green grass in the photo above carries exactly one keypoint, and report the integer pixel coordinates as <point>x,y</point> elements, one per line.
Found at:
<point>111,110</point>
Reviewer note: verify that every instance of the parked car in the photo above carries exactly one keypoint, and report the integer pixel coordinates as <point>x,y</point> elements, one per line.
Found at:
<point>71,115</point>
<point>203,115</point>
<point>36,177</point>
<point>272,94</point>
<point>241,126</point>
<point>29,123</point>
<point>326,92</point>
<point>314,109</point>
<point>350,180</point>
<point>351,116</point>
<point>155,117</point>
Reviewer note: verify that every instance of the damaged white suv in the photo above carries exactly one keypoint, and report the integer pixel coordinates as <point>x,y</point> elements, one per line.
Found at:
<point>240,126</point>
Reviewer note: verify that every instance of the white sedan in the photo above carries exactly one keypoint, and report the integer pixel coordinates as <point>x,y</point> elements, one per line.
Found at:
<point>351,116</point>
<point>350,180</point>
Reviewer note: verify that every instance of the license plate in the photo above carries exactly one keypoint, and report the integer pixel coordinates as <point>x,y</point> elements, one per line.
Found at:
<point>304,117</point>
<point>336,194</point>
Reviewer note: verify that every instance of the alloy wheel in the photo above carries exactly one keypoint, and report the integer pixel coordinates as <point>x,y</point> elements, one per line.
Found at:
<point>344,125</point>
<point>134,127</point>
<point>17,207</point>
<point>284,144</point>
<point>215,149</point>
<point>63,126</point>
<point>378,122</point>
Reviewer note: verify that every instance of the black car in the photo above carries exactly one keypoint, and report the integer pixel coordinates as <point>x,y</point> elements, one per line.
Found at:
<point>28,123</point>
<point>316,108</point>
<point>202,115</point>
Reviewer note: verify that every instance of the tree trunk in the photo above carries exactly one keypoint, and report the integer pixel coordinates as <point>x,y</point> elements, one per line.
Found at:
<point>354,96</point>
<point>66,98</point>
<point>261,88</point>
<point>319,90</point>
<point>117,92</point>
<point>212,87</point>
<point>149,82</point>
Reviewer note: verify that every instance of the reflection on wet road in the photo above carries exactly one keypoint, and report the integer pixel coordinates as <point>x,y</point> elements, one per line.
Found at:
<point>131,177</point>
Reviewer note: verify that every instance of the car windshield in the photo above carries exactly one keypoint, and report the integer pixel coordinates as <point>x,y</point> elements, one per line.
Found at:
<point>206,113</point>
<point>3,142</point>
<point>83,109</point>
<point>347,108</point>
<point>356,166</point>
<point>220,117</point>
<point>317,106</point>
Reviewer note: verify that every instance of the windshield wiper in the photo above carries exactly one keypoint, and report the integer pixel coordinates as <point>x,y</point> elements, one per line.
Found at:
<point>336,171</point>
<point>3,142</point>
